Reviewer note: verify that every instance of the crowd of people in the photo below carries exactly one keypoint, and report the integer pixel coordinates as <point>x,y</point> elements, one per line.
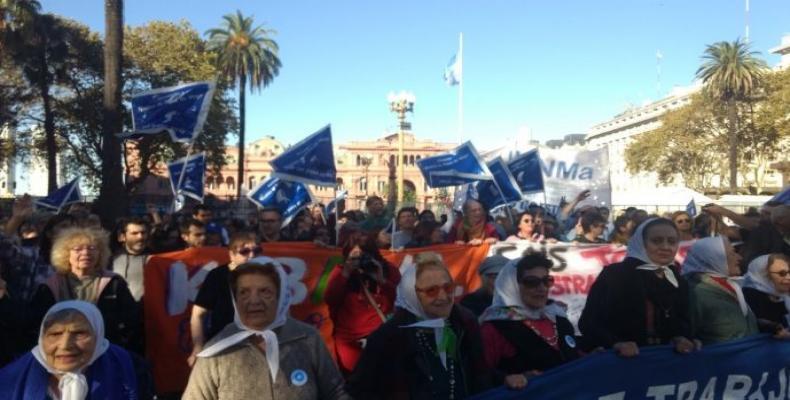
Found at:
<point>71,315</point>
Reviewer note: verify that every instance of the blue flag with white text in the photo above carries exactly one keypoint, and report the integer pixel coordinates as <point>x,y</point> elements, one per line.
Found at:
<point>179,110</point>
<point>489,193</point>
<point>527,172</point>
<point>691,209</point>
<point>311,161</point>
<point>330,208</point>
<point>288,197</point>
<point>63,196</point>
<point>456,167</point>
<point>193,182</point>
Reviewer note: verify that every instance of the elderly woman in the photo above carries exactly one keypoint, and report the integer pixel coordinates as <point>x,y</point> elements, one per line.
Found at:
<point>767,291</point>
<point>264,354</point>
<point>73,361</point>
<point>524,332</point>
<point>474,227</point>
<point>718,309</point>
<point>80,256</point>
<point>640,301</point>
<point>430,348</point>
<point>526,228</point>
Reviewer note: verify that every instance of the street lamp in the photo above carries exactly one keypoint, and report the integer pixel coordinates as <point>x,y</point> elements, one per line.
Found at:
<point>400,104</point>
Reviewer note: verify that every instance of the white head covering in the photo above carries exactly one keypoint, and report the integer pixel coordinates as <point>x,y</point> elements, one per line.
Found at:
<point>507,304</point>
<point>637,249</point>
<point>73,385</point>
<point>709,256</point>
<point>269,337</point>
<point>407,299</point>
<point>757,278</point>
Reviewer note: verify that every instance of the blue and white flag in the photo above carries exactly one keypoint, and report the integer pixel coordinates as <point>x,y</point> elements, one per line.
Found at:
<point>288,197</point>
<point>783,196</point>
<point>311,161</point>
<point>466,192</point>
<point>526,170</point>
<point>453,71</point>
<point>194,180</point>
<point>63,196</point>
<point>691,209</point>
<point>330,208</point>
<point>489,193</point>
<point>179,110</point>
<point>456,167</point>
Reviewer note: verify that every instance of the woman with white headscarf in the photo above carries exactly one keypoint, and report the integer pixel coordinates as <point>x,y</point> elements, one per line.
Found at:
<point>264,354</point>
<point>429,349</point>
<point>767,291</point>
<point>524,332</point>
<point>73,361</point>
<point>641,301</point>
<point>718,309</point>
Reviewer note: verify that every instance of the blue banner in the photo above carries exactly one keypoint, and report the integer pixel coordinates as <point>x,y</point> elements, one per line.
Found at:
<point>179,110</point>
<point>488,192</point>
<point>527,171</point>
<point>691,209</point>
<point>456,167</point>
<point>783,196</point>
<point>466,192</point>
<point>311,161</point>
<point>288,197</point>
<point>751,368</point>
<point>62,196</point>
<point>194,180</point>
<point>330,208</point>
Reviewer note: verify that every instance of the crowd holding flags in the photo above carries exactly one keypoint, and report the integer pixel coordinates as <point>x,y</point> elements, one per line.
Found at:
<point>179,110</point>
<point>63,196</point>
<point>190,181</point>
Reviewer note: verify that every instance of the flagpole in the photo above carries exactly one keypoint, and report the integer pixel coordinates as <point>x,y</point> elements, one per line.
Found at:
<point>461,85</point>
<point>507,205</point>
<point>181,175</point>
<point>337,219</point>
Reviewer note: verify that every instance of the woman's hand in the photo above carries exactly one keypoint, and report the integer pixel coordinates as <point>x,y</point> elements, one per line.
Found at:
<point>475,242</point>
<point>490,240</point>
<point>684,346</point>
<point>782,334</point>
<point>516,381</point>
<point>626,349</point>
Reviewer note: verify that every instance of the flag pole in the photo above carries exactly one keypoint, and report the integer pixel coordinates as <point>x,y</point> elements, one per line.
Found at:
<point>461,85</point>
<point>337,219</point>
<point>181,175</point>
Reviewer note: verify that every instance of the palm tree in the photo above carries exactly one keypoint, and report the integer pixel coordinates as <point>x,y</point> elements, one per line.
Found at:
<point>731,72</point>
<point>244,54</point>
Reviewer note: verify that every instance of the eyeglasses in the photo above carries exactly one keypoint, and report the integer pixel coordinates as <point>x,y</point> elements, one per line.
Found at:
<point>247,251</point>
<point>534,281</point>
<point>782,274</point>
<point>433,291</point>
<point>682,221</point>
<point>89,248</point>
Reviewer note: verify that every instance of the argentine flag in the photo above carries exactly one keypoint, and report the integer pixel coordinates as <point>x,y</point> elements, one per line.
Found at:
<point>452,73</point>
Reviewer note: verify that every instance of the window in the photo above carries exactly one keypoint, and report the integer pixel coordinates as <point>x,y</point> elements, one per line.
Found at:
<point>231,183</point>
<point>363,184</point>
<point>381,186</point>
<point>411,159</point>
<point>392,158</point>
<point>252,182</point>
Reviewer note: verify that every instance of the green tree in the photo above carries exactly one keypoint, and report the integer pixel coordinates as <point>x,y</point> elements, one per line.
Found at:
<point>245,54</point>
<point>731,72</point>
<point>16,17</point>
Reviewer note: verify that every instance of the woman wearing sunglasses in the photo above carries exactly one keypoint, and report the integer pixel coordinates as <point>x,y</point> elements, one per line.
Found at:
<point>214,297</point>
<point>430,349</point>
<point>685,225</point>
<point>767,291</point>
<point>524,332</point>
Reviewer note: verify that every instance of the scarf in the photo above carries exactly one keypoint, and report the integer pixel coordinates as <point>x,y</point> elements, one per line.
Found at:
<point>272,346</point>
<point>446,339</point>
<point>73,385</point>
<point>507,304</point>
<point>757,278</point>
<point>708,256</point>
<point>637,250</point>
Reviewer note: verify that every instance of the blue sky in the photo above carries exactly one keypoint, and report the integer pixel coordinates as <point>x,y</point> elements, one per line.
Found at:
<point>557,67</point>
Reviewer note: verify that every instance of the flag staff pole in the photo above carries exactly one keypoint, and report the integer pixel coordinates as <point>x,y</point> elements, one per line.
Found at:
<point>461,85</point>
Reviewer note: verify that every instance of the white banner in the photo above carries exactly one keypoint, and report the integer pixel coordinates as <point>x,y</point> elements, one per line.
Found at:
<point>568,171</point>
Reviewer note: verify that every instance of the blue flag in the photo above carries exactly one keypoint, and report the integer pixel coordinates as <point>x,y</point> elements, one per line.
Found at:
<point>489,191</point>
<point>311,161</point>
<point>783,196</point>
<point>63,196</point>
<point>194,180</point>
<point>288,197</point>
<point>466,192</point>
<point>728,370</point>
<point>456,167</point>
<point>527,172</point>
<point>179,110</point>
<point>453,72</point>
<point>691,209</point>
<point>330,208</point>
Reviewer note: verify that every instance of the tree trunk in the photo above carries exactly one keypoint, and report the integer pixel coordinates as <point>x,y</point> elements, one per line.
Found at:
<point>242,105</point>
<point>733,138</point>
<point>49,132</point>
<point>112,201</point>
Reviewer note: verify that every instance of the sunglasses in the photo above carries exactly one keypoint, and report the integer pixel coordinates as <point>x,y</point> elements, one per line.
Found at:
<point>247,251</point>
<point>433,291</point>
<point>782,274</point>
<point>534,281</point>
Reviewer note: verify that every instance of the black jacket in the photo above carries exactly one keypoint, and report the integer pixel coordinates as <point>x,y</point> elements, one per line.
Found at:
<point>532,352</point>
<point>771,315</point>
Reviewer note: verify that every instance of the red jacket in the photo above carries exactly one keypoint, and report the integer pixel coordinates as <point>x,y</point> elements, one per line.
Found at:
<point>351,313</point>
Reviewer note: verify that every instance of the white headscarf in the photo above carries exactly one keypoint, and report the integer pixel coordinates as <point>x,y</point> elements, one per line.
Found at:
<point>637,249</point>
<point>757,278</point>
<point>269,337</point>
<point>507,304</point>
<point>407,299</point>
<point>709,256</point>
<point>73,385</point>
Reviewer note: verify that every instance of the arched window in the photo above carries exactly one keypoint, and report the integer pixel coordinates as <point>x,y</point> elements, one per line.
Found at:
<point>252,182</point>
<point>359,160</point>
<point>411,159</point>
<point>392,158</point>
<point>231,183</point>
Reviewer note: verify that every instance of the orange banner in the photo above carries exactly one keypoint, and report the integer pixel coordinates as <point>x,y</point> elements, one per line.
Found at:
<point>173,279</point>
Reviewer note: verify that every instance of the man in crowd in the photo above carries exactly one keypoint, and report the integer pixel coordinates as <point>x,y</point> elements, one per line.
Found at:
<point>216,234</point>
<point>193,233</point>
<point>481,298</point>
<point>270,225</point>
<point>132,256</point>
<point>767,238</point>
<point>378,216</point>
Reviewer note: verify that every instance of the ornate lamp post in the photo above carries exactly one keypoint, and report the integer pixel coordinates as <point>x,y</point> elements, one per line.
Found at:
<point>400,104</point>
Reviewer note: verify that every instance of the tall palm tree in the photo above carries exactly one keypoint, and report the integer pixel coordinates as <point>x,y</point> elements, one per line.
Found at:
<point>245,54</point>
<point>731,72</point>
